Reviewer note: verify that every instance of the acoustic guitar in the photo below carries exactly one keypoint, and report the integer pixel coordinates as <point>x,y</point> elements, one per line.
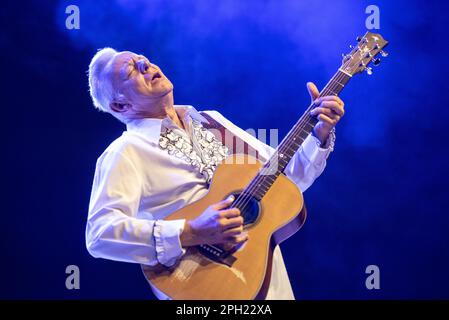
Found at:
<point>271,205</point>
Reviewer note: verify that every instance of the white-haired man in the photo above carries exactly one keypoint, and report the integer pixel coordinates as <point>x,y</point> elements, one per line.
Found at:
<point>160,164</point>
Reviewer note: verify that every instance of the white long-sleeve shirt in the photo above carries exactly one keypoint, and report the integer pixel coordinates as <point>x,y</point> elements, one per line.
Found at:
<point>138,183</point>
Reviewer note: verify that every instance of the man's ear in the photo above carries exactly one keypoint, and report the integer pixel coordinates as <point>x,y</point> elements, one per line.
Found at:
<point>119,107</point>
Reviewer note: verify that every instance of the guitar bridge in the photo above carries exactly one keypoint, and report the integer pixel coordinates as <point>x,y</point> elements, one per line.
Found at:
<point>218,254</point>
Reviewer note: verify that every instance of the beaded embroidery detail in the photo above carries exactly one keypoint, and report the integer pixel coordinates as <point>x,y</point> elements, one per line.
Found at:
<point>205,152</point>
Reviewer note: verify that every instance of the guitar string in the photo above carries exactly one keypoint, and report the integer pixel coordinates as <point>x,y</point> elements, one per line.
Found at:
<point>245,197</point>
<point>243,201</point>
<point>297,130</point>
<point>306,116</point>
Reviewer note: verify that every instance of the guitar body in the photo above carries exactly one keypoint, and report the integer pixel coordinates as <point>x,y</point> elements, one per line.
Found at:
<point>196,276</point>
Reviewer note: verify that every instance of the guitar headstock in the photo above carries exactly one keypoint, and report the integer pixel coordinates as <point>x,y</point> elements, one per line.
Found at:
<point>361,55</point>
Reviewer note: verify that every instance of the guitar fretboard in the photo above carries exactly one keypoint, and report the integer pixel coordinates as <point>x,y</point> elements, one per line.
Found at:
<point>260,184</point>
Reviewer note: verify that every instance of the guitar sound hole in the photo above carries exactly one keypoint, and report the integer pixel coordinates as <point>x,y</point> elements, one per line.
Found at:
<point>249,207</point>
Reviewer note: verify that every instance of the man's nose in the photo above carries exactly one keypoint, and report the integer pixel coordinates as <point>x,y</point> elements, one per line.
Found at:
<point>155,67</point>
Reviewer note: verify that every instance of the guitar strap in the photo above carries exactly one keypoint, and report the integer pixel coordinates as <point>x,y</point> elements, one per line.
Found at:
<point>234,143</point>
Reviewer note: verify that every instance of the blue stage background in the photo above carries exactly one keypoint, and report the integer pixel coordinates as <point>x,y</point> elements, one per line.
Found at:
<point>382,199</point>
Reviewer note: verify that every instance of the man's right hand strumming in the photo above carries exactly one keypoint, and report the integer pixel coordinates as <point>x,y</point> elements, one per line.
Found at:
<point>217,224</point>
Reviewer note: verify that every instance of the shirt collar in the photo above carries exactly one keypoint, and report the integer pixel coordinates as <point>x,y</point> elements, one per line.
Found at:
<point>151,128</point>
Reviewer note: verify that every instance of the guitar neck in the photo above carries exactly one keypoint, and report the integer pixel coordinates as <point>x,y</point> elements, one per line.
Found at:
<point>292,141</point>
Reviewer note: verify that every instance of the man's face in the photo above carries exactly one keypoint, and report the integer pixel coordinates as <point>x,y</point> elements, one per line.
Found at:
<point>141,82</point>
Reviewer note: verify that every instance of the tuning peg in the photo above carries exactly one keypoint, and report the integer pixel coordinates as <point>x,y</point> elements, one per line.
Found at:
<point>345,57</point>
<point>376,61</point>
<point>384,53</point>
<point>358,39</point>
<point>369,70</point>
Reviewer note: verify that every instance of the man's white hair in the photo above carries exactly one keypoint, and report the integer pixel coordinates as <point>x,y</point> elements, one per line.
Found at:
<point>100,87</point>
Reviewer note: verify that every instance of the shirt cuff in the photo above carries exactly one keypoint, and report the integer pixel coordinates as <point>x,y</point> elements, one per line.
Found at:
<point>313,150</point>
<point>168,245</point>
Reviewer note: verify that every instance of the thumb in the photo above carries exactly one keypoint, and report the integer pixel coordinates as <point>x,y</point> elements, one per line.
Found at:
<point>313,90</point>
<point>224,203</point>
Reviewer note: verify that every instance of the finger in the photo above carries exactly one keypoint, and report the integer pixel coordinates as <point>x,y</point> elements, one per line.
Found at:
<point>224,203</point>
<point>334,106</point>
<point>234,222</point>
<point>327,120</point>
<point>313,90</point>
<point>320,110</point>
<point>332,98</point>
<point>233,231</point>
<point>238,239</point>
<point>230,213</point>
<point>226,245</point>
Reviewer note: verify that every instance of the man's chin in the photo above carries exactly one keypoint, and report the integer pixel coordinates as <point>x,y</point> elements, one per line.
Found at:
<point>164,91</point>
